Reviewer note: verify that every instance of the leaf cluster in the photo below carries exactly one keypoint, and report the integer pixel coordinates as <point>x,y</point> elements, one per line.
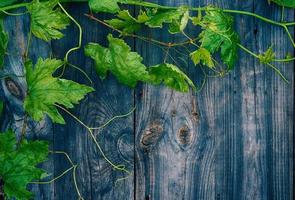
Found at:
<point>128,68</point>
<point>19,164</point>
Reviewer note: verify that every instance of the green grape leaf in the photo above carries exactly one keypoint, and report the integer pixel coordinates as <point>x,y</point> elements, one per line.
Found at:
<point>125,22</point>
<point>157,17</point>
<point>118,58</point>
<point>171,76</point>
<point>46,21</point>
<point>7,2</point>
<point>202,55</point>
<point>286,3</point>
<point>179,25</point>
<point>18,164</point>
<point>153,18</point>
<point>44,90</point>
<point>3,44</point>
<point>267,57</point>
<point>108,6</point>
<point>218,34</point>
<point>127,66</point>
<point>197,19</point>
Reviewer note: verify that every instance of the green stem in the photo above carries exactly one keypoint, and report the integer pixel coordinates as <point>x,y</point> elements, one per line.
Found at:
<point>283,12</point>
<point>80,33</point>
<point>289,35</point>
<point>19,5</point>
<point>55,178</point>
<point>73,167</point>
<point>90,131</point>
<point>268,64</point>
<point>284,60</point>
<point>248,51</point>
<point>256,56</point>
<point>13,14</point>
<point>113,118</point>
<point>254,15</point>
<point>82,71</point>
<point>153,5</point>
<point>278,72</point>
<point>80,38</point>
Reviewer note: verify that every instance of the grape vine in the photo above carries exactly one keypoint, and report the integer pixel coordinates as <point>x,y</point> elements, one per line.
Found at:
<point>215,51</point>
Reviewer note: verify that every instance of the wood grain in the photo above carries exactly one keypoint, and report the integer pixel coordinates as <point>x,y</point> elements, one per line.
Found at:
<point>14,89</point>
<point>233,140</point>
<point>96,178</point>
<point>240,146</point>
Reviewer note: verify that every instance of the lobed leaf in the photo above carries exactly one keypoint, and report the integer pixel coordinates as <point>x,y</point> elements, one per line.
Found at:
<point>157,17</point>
<point>202,55</point>
<point>127,66</point>
<point>44,90</point>
<point>18,164</point>
<point>118,58</point>
<point>218,35</point>
<point>171,76</point>
<point>153,18</point>
<point>46,21</point>
<point>125,22</point>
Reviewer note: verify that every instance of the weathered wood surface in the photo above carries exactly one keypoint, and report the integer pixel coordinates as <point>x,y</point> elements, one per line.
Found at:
<point>233,140</point>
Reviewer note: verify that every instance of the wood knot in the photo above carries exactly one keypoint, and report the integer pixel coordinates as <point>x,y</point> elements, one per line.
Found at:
<point>14,88</point>
<point>152,134</point>
<point>184,135</point>
<point>196,116</point>
<point>173,113</point>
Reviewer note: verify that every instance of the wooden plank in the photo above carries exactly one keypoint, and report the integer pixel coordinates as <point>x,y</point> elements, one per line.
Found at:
<point>276,101</point>
<point>95,177</point>
<point>13,88</point>
<point>241,145</point>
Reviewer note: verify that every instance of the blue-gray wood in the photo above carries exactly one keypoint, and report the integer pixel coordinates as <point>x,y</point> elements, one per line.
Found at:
<point>233,140</point>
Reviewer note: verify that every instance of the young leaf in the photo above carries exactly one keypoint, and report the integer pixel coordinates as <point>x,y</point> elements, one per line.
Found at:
<point>197,19</point>
<point>44,90</point>
<point>3,44</point>
<point>108,6</point>
<point>267,56</point>
<point>119,60</point>
<point>46,21</point>
<point>179,25</point>
<point>171,76</point>
<point>286,3</point>
<point>218,34</point>
<point>158,17</point>
<point>18,164</point>
<point>125,22</point>
<point>203,55</point>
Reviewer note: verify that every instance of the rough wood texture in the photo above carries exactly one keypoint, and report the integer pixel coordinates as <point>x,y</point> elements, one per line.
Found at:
<point>233,140</point>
